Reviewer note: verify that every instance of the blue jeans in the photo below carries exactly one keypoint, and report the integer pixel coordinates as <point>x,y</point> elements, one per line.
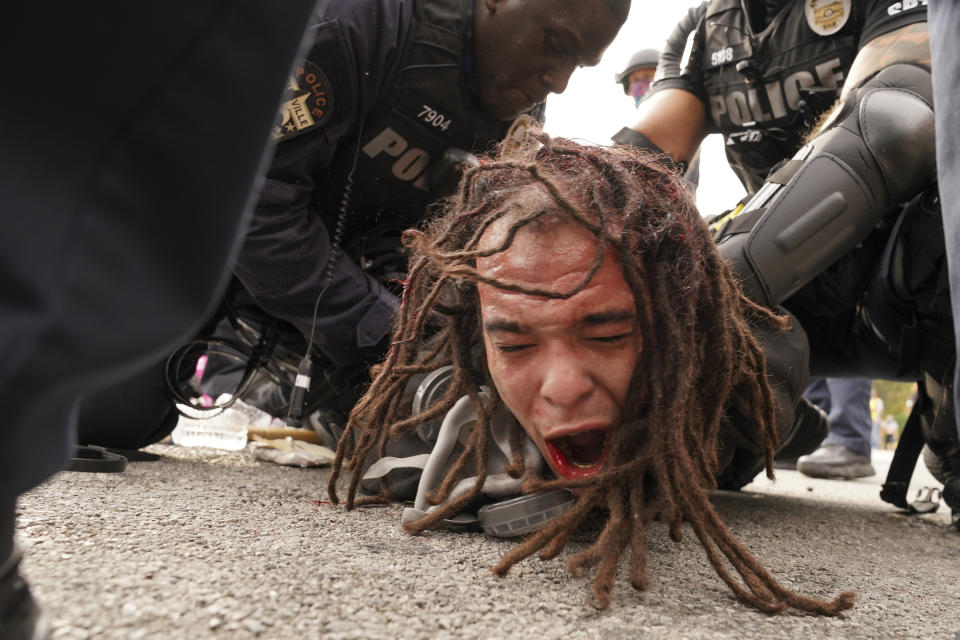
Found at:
<point>847,402</point>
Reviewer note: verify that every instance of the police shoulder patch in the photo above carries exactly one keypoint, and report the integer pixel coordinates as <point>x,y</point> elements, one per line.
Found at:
<point>516,134</point>
<point>307,104</point>
<point>826,17</point>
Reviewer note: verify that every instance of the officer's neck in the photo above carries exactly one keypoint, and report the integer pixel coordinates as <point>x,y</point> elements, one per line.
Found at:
<point>762,12</point>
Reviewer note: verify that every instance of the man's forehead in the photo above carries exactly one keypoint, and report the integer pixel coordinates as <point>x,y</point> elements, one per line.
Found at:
<point>545,245</point>
<point>521,202</point>
<point>495,321</point>
<point>558,258</point>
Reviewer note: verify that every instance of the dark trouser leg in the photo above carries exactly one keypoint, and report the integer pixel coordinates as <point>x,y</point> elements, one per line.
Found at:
<point>7,510</point>
<point>937,423</point>
<point>124,208</point>
<point>123,190</point>
<point>130,414</point>
<point>942,451</point>
<point>20,617</point>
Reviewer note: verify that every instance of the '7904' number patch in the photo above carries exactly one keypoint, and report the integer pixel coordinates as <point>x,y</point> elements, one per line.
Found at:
<point>434,118</point>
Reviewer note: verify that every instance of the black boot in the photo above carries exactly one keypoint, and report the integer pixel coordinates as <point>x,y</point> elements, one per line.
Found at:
<point>20,617</point>
<point>951,495</point>
<point>810,426</point>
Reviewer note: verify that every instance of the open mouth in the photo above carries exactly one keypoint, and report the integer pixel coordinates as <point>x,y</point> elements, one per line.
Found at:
<point>580,454</point>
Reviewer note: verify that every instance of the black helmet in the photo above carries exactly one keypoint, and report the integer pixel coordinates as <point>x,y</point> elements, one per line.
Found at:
<point>639,60</point>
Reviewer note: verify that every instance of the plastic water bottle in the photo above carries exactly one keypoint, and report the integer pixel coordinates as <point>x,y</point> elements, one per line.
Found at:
<point>226,429</point>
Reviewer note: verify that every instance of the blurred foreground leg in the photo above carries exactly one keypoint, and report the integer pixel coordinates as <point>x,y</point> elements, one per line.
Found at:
<point>133,135</point>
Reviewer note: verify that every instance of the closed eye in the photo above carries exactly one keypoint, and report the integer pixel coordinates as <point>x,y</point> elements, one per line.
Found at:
<point>512,348</point>
<point>610,339</point>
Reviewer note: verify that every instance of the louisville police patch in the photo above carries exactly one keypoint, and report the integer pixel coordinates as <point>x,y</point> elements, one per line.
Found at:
<point>517,133</point>
<point>307,104</point>
<point>826,17</point>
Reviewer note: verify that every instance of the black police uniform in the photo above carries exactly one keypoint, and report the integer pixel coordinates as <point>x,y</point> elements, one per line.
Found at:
<point>764,86</point>
<point>827,234</point>
<point>376,118</point>
<point>383,93</point>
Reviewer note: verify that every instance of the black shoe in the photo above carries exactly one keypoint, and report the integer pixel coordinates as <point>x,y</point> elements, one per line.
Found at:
<point>89,458</point>
<point>835,461</point>
<point>20,616</point>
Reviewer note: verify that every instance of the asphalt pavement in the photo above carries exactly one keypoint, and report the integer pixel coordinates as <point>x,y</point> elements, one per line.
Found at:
<point>211,544</point>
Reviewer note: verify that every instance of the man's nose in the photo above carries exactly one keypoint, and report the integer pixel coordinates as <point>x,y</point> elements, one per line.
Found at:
<point>557,77</point>
<point>566,381</point>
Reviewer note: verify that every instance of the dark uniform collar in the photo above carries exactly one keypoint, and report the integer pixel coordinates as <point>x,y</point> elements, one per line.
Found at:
<point>761,13</point>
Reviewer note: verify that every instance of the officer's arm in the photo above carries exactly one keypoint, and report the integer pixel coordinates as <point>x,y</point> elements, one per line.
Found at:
<point>671,121</point>
<point>876,149</point>
<point>908,45</point>
<point>290,257</point>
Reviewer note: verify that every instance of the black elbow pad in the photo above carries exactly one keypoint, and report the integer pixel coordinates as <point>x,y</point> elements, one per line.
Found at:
<point>880,151</point>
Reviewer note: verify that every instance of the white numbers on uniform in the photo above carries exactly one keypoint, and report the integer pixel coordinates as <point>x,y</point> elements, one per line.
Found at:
<point>721,57</point>
<point>434,118</point>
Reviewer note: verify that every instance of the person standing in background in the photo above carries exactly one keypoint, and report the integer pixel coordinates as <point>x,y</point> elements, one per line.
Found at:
<point>845,453</point>
<point>638,75</point>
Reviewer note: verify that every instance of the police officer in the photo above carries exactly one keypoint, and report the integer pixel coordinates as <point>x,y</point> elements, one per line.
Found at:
<point>391,97</point>
<point>826,228</point>
<point>637,76</point>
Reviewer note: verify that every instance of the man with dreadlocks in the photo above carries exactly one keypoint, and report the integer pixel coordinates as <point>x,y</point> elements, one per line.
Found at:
<point>588,320</point>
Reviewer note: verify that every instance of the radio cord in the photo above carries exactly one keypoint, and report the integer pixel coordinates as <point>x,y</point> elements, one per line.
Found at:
<point>304,370</point>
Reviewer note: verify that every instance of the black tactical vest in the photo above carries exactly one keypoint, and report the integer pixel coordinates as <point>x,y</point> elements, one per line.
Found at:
<point>766,90</point>
<point>400,163</point>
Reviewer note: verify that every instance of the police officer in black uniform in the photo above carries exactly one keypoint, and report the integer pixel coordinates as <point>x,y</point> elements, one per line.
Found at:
<point>843,228</point>
<point>391,98</point>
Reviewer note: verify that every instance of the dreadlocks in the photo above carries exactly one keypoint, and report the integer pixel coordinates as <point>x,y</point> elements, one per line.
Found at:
<point>663,455</point>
